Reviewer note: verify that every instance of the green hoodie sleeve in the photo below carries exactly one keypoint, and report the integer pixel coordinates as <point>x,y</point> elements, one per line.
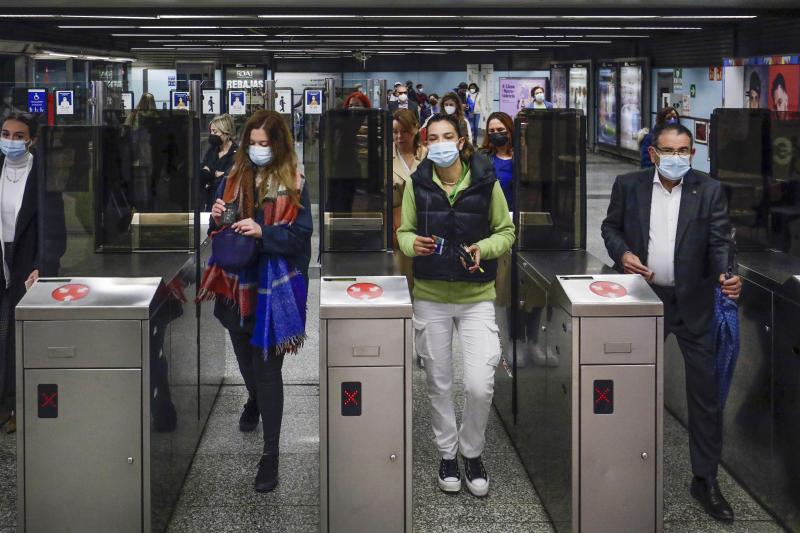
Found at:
<point>502,237</point>
<point>407,232</point>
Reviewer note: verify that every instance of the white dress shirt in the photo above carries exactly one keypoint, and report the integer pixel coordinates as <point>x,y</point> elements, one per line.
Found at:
<point>664,210</point>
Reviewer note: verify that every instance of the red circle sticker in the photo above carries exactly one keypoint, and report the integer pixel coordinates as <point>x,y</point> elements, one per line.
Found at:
<point>608,289</point>
<point>364,291</point>
<point>70,292</point>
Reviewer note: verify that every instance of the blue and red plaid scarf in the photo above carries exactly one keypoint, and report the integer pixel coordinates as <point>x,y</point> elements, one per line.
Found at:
<point>273,289</point>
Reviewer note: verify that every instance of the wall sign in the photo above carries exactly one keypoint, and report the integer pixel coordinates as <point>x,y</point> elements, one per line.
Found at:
<point>236,102</point>
<point>211,101</point>
<point>37,101</point>
<point>313,101</point>
<point>65,103</point>
<point>179,99</point>
<point>283,101</point>
<point>127,101</point>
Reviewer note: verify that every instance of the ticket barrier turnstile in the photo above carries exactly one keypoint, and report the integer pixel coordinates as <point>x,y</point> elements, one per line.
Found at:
<point>365,404</point>
<point>84,398</point>
<point>602,411</point>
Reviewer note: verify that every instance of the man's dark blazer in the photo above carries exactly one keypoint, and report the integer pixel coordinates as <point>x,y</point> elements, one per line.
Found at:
<point>701,242</point>
<point>412,106</point>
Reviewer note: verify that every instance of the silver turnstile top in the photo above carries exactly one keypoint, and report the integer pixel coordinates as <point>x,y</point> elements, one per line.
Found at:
<point>607,295</point>
<point>364,297</point>
<point>89,299</point>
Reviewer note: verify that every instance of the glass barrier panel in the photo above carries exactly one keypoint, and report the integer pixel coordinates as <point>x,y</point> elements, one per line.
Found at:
<point>353,173</point>
<point>755,154</point>
<point>550,180</point>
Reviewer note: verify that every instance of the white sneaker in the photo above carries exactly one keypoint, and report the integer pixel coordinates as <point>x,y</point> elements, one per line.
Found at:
<point>477,478</point>
<point>449,476</point>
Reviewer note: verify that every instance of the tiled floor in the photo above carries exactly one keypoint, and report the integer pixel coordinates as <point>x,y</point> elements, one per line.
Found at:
<point>218,496</point>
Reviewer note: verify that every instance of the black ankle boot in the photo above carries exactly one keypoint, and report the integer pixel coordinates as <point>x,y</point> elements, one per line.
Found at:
<point>267,476</point>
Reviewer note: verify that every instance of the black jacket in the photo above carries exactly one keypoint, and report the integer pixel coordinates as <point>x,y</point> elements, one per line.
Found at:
<point>33,223</point>
<point>412,106</point>
<point>215,163</point>
<point>701,243</point>
<point>466,221</point>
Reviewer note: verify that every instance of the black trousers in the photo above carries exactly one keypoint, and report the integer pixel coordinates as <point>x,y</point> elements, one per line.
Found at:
<point>705,415</point>
<point>263,379</point>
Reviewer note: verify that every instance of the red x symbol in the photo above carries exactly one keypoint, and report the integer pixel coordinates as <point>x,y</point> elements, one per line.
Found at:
<point>351,397</point>
<point>49,399</point>
<point>70,292</point>
<point>364,291</point>
<point>608,289</point>
<point>601,395</point>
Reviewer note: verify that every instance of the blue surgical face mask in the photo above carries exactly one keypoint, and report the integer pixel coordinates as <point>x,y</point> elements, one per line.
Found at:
<point>674,167</point>
<point>443,154</point>
<point>672,120</point>
<point>13,149</point>
<point>260,155</point>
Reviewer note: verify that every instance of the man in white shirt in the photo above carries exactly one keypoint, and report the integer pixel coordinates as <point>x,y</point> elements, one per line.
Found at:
<point>671,226</point>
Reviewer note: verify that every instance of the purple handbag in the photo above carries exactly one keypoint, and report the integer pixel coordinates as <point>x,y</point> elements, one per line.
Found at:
<point>232,251</point>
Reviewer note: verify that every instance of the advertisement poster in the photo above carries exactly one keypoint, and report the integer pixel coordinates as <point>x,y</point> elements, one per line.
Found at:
<point>733,96</point>
<point>179,99</point>
<point>127,100</point>
<point>283,101</point>
<point>515,93</point>
<point>558,88</point>
<point>784,87</point>
<point>211,101</point>
<point>236,102</point>
<point>756,78</point>
<point>65,103</point>
<point>579,89</point>
<point>37,101</point>
<point>313,102</point>
<point>607,106</point>
<point>631,111</point>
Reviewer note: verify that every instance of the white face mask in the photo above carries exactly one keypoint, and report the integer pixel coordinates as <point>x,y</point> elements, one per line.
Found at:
<point>473,91</point>
<point>674,167</point>
<point>260,155</point>
<point>403,97</point>
<point>449,109</point>
<point>539,97</point>
<point>443,154</point>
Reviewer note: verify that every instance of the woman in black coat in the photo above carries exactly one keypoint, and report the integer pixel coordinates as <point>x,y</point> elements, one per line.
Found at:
<point>20,243</point>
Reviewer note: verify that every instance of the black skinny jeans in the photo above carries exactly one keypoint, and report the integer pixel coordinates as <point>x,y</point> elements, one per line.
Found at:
<point>263,379</point>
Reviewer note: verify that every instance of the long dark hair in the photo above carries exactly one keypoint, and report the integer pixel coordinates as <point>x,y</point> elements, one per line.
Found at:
<point>468,150</point>
<point>505,119</point>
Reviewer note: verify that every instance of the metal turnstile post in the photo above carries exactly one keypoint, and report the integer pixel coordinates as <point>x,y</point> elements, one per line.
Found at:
<point>365,405</point>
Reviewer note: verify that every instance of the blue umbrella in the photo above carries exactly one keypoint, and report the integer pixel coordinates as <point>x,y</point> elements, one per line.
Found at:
<point>726,341</point>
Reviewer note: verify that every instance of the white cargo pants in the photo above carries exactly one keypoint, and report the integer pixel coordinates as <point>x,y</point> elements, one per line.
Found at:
<point>480,343</point>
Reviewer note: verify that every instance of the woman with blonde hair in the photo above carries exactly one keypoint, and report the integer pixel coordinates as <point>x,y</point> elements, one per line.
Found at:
<point>218,160</point>
<point>260,230</point>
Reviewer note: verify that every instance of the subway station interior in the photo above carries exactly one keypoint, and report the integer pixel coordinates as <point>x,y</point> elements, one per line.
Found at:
<point>589,395</point>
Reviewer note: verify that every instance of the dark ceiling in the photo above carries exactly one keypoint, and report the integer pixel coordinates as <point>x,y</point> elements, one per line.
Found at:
<point>326,33</point>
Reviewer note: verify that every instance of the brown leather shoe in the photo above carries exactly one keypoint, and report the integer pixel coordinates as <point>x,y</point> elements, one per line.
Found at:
<point>11,425</point>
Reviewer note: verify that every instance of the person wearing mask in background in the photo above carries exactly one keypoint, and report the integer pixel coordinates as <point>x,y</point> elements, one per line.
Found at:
<point>408,153</point>
<point>357,100</point>
<point>670,225</point>
<point>19,230</point>
<point>263,306</point>
<point>412,95</point>
<point>461,91</point>
<point>667,115</point>
<point>404,101</point>
<point>454,193</point>
<point>539,102</point>
<point>451,105</point>
<point>393,96</point>
<point>432,108</point>
<point>472,108</point>
<point>422,98</point>
<point>218,160</point>
<point>498,145</point>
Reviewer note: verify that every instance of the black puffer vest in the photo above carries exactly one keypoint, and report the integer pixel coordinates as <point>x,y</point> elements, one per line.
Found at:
<point>466,221</point>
